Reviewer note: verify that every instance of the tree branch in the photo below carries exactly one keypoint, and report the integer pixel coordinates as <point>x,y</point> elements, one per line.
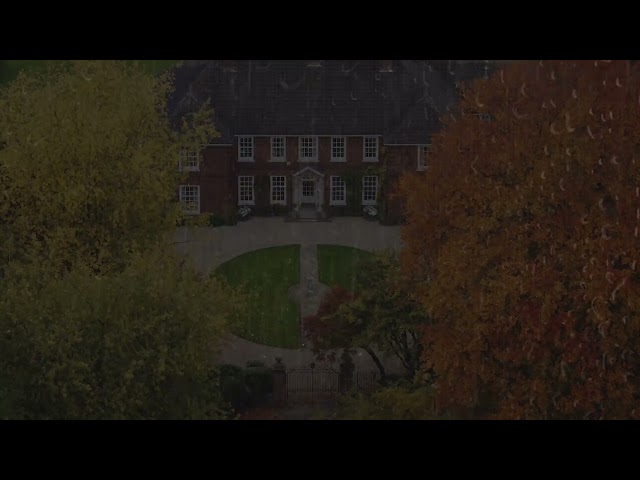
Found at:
<point>375,359</point>
<point>399,355</point>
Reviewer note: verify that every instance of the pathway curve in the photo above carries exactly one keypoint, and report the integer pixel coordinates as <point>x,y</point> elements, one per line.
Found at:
<point>209,247</point>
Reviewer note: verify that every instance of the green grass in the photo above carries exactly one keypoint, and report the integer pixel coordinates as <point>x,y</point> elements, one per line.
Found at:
<point>266,275</point>
<point>337,265</point>
<point>9,69</point>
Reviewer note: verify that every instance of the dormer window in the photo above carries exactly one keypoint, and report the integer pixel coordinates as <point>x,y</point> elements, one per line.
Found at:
<point>245,149</point>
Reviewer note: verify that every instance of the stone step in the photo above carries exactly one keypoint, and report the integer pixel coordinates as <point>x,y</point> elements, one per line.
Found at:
<point>302,219</point>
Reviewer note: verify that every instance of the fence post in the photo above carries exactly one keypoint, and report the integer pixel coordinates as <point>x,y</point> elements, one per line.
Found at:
<point>347,370</point>
<point>279,375</point>
<point>313,376</point>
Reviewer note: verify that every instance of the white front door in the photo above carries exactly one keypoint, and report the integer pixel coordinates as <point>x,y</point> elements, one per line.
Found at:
<point>308,191</point>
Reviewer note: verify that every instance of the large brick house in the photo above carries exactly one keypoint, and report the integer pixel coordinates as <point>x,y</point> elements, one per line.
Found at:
<point>312,138</point>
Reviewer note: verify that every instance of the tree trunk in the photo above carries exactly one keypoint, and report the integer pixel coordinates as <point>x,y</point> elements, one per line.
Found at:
<point>374,357</point>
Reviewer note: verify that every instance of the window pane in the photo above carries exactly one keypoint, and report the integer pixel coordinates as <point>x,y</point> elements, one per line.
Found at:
<point>371,147</point>
<point>369,188</point>
<point>278,189</point>
<point>338,189</point>
<point>425,150</point>
<point>189,160</point>
<point>189,197</point>
<point>308,147</point>
<point>246,147</point>
<point>277,147</point>
<point>338,147</point>
<point>246,189</point>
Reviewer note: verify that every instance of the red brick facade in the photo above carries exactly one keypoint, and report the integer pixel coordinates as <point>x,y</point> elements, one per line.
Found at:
<point>220,169</point>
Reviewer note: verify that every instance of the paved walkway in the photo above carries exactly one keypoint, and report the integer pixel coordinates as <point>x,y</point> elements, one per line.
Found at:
<point>209,247</point>
<point>310,292</point>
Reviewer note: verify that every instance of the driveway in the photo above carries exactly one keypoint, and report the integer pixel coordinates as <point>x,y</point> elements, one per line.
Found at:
<point>209,247</point>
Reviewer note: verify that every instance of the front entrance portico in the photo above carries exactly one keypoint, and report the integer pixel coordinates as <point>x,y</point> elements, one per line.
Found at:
<point>308,188</point>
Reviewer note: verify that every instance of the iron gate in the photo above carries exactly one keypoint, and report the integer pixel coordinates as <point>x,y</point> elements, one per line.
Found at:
<point>312,385</point>
<point>366,382</point>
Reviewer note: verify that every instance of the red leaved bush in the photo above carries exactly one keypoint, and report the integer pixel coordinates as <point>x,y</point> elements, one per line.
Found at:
<point>327,331</point>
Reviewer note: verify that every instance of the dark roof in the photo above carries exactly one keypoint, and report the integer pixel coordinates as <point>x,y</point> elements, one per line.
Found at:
<point>339,97</point>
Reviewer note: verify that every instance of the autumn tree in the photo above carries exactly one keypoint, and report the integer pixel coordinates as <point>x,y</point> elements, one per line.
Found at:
<point>522,242</point>
<point>98,317</point>
<point>133,345</point>
<point>326,330</point>
<point>88,163</point>
<point>382,317</point>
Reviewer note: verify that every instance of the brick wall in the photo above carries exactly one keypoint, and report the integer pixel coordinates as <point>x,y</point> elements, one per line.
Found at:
<point>220,169</point>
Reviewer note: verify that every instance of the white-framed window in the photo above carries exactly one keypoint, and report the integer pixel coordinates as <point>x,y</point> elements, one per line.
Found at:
<point>190,199</point>
<point>423,156</point>
<point>245,190</point>
<point>369,189</point>
<point>338,149</point>
<point>278,149</point>
<point>278,190</point>
<point>338,191</point>
<point>189,160</point>
<point>308,149</point>
<point>370,147</point>
<point>245,149</point>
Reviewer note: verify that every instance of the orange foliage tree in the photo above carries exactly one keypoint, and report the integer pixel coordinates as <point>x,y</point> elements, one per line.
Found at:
<point>522,240</point>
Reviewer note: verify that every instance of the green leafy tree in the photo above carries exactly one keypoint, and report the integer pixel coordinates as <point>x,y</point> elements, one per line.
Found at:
<point>383,316</point>
<point>386,306</point>
<point>89,163</point>
<point>138,344</point>
<point>398,402</point>
<point>98,318</point>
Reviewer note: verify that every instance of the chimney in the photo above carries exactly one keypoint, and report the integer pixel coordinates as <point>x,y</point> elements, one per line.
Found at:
<point>229,66</point>
<point>386,66</point>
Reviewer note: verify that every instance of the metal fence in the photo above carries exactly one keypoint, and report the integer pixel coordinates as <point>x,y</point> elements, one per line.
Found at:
<point>312,385</point>
<point>321,385</point>
<point>366,382</point>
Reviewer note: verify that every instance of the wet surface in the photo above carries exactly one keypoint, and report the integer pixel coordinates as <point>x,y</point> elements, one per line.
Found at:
<point>209,247</point>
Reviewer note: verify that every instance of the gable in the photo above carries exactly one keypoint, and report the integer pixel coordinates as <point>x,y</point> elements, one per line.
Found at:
<point>308,171</point>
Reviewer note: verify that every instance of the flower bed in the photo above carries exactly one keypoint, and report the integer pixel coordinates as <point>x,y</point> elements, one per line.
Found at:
<point>370,212</point>
<point>244,213</point>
